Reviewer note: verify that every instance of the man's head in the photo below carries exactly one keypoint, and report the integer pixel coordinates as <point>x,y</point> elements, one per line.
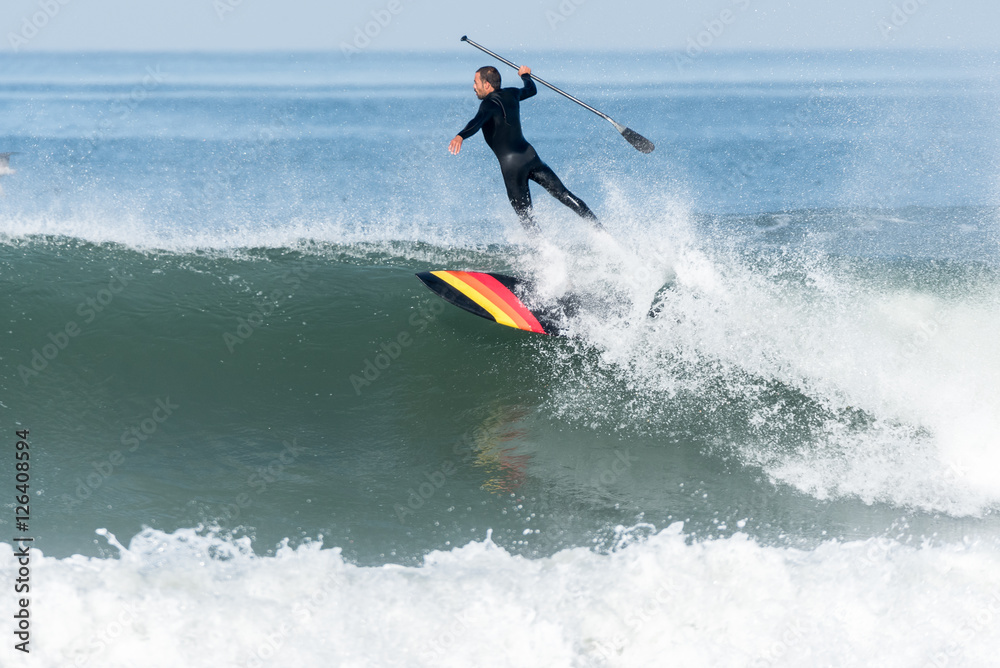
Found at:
<point>486,81</point>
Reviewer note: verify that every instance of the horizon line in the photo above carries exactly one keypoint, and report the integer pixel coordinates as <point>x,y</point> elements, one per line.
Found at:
<point>456,49</point>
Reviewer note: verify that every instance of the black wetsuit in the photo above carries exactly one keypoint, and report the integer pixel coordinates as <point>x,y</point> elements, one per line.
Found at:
<point>499,117</point>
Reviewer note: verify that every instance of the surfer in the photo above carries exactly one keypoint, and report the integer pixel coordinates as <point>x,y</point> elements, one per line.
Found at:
<point>499,117</point>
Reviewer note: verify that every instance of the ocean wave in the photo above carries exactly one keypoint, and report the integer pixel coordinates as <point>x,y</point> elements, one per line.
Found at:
<point>841,378</point>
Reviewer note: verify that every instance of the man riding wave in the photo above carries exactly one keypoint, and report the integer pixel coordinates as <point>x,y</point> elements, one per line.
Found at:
<point>499,118</point>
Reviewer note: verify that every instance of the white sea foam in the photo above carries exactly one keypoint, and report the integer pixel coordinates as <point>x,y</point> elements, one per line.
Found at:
<point>191,599</point>
<point>141,234</point>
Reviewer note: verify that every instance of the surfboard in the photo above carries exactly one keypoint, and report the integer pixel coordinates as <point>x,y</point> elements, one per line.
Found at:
<point>505,300</point>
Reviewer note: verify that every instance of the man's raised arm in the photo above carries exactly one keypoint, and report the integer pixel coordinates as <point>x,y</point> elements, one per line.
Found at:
<point>529,83</point>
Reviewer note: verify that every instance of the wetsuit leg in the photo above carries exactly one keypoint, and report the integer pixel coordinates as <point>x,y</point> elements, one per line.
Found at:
<point>543,175</point>
<point>515,178</point>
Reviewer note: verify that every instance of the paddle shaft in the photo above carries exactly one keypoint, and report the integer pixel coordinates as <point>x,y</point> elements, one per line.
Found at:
<point>545,83</point>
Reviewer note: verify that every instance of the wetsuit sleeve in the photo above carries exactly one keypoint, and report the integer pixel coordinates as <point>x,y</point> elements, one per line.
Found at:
<point>529,87</point>
<point>486,111</point>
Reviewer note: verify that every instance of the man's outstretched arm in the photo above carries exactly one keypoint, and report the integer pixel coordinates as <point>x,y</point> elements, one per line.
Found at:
<point>471,128</point>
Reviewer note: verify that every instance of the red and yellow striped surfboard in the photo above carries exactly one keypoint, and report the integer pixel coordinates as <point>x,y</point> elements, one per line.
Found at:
<point>492,296</point>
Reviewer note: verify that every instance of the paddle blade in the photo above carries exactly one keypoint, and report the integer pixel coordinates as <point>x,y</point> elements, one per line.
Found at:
<point>637,140</point>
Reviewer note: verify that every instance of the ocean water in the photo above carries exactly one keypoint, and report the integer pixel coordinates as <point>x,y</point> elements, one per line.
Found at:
<point>256,439</point>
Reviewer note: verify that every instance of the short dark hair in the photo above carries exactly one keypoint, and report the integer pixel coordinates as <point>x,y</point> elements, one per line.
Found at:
<point>490,75</point>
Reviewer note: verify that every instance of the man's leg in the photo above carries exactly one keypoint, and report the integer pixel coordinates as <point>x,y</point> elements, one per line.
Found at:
<point>543,175</point>
<point>516,181</point>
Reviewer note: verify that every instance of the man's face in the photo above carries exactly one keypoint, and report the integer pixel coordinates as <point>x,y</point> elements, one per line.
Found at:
<point>481,87</point>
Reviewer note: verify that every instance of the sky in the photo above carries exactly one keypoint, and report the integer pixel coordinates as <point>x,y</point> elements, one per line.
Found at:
<point>437,25</point>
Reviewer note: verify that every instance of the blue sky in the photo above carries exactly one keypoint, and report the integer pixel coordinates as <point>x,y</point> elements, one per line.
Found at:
<point>222,25</point>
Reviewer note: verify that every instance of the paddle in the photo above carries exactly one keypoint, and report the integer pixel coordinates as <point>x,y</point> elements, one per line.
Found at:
<point>631,136</point>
